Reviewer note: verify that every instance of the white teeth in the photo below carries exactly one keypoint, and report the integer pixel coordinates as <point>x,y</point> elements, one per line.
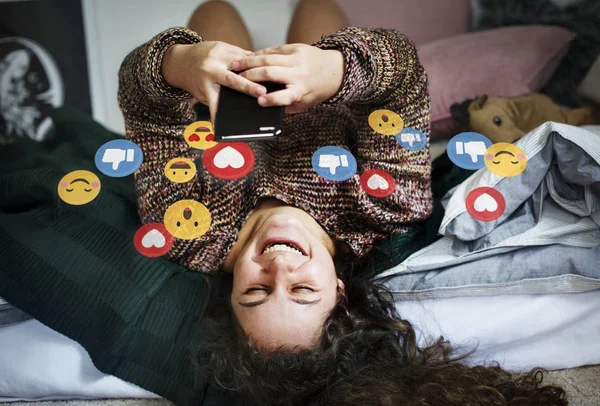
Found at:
<point>281,247</point>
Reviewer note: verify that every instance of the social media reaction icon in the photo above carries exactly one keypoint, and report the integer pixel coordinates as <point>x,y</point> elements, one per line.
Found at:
<point>467,149</point>
<point>153,240</point>
<point>229,160</point>
<point>334,163</point>
<point>180,170</point>
<point>200,135</point>
<point>386,122</point>
<point>187,219</point>
<point>118,158</point>
<point>79,187</point>
<point>377,183</point>
<point>411,139</point>
<point>485,203</point>
<point>505,159</point>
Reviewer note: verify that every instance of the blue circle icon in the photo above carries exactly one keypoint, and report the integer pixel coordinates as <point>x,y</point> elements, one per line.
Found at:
<point>334,163</point>
<point>118,158</point>
<point>411,139</point>
<point>467,149</point>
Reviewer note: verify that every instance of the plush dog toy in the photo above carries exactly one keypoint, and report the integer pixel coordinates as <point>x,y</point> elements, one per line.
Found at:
<point>508,119</point>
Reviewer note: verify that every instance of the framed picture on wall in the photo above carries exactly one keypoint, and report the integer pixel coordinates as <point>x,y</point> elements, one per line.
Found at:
<point>43,64</point>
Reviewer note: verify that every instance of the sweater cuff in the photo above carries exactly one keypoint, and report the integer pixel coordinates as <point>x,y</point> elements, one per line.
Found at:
<point>156,49</point>
<point>358,71</point>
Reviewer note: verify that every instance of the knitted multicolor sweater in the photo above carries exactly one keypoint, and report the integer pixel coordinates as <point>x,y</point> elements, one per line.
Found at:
<point>382,71</point>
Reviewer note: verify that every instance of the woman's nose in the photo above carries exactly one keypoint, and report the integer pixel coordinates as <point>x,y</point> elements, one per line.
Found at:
<point>280,263</point>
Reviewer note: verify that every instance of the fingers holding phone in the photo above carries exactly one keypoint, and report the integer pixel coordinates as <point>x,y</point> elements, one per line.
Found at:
<point>202,68</point>
<point>311,75</point>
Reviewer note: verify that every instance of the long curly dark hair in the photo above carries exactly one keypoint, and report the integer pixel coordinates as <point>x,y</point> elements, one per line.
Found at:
<point>367,355</point>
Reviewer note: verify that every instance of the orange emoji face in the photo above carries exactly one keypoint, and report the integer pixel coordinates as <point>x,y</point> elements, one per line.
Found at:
<point>187,219</point>
<point>79,187</point>
<point>386,122</point>
<point>505,159</point>
<point>199,135</point>
<point>180,170</point>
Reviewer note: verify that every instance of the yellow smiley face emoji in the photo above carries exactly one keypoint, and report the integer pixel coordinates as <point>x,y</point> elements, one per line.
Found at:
<point>386,122</point>
<point>200,135</point>
<point>505,159</point>
<point>180,170</point>
<point>187,219</point>
<point>79,187</point>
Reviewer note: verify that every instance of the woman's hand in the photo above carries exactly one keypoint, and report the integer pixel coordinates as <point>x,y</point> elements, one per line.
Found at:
<point>311,75</point>
<point>201,68</point>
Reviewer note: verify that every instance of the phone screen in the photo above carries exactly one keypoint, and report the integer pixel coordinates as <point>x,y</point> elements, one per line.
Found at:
<point>239,117</point>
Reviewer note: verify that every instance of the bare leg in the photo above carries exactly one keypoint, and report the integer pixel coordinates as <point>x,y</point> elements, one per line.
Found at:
<point>314,18</point>
<point>218,20</point>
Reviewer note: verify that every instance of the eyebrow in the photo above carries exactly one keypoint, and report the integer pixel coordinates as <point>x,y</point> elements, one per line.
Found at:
<point>299,301</point>
<point>505,152</point>
<point>79,180</point>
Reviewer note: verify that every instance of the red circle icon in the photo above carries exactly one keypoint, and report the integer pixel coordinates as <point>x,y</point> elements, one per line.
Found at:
<point>229,160</point>
<point>485,203</point>
<point>377,182</point>
<point>153,240</point>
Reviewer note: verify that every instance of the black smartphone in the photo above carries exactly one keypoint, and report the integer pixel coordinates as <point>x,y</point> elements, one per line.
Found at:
<point>239,117</point>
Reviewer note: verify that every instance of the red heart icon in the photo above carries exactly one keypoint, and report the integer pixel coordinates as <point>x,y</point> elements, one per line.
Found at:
<point>194,137</point>
<point>210,137</point>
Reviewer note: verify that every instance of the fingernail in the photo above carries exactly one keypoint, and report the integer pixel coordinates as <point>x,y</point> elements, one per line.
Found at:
<point>235,65</point>
<point>262,100</point>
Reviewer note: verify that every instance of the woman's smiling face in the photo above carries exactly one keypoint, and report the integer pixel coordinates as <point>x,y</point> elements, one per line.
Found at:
<point>284,279</point>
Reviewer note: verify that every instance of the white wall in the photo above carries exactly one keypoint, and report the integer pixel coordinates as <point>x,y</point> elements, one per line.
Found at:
<point>115,27</point>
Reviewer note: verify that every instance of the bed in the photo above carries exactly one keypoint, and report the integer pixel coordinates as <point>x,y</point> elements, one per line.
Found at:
<point>39,364</point>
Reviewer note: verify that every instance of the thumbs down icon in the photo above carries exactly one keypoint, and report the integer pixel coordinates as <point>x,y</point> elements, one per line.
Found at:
<point>410,138</point>
<point>471,148</point>
<point>332,162</point>
<point>115,156</point>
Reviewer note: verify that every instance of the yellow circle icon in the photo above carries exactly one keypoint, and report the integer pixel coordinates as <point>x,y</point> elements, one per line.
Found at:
<point>386,122</point>
<point>79,187</point>
<point>505,159</point>
<point>200,135</point>
<point>187,219</point>
<point>180,170</point>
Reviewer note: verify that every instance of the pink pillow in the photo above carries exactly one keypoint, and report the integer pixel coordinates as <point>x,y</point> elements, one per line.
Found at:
<point>503,62</point>
<point>422,21</point>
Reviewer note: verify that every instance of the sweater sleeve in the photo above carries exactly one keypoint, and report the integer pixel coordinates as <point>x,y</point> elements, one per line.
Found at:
<point>156,115</point>
<point>382,72</point>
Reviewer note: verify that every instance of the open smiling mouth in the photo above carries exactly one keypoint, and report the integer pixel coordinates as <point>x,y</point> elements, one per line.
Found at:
<point>282,246</point>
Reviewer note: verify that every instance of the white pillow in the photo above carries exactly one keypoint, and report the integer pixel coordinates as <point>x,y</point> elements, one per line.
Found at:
<point>37,363</point>
<point>553,331</point>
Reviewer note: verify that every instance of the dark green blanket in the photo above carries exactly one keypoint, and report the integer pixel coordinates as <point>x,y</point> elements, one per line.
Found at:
<point>75,269</point>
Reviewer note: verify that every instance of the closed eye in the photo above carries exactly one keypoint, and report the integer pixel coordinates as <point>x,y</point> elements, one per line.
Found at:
<point>88,190</point>
<point>254,289</point>
<point>514,163</point>
<point>295,288</point>
<point>496,162</point>
<point>69,190</point>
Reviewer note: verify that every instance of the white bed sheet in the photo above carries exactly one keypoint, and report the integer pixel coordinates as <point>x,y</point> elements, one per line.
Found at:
<point>554,331</point>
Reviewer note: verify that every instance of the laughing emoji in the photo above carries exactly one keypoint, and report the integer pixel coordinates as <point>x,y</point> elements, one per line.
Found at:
<point>180,170</point>
<point>505,159</point>
<point>199,135</point>
<point>386,122</point>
